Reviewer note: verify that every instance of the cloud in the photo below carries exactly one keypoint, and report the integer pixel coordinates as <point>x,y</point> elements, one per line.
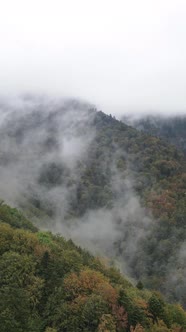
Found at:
<point>45,148</point>
<point>41,135</point>
<point>121,55</point>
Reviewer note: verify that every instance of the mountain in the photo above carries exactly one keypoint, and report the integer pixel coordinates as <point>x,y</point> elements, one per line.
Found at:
<point>170,128</point>
<point>113,189</point>
<point>48,284</point>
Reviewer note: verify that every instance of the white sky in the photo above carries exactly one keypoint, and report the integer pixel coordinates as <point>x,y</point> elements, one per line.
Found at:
<point>122,55</point>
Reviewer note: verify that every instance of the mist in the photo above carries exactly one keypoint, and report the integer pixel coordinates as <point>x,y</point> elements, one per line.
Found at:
<point>46,145</point>
<point>56,166</point>
<point>123,56</point>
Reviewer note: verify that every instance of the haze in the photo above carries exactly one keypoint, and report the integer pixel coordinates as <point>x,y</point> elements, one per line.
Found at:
<point>123,56</point>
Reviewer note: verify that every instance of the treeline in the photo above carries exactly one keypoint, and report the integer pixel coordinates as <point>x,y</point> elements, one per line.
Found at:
<point>169,127</point>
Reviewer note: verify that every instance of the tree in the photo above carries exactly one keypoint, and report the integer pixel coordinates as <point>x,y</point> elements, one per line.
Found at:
<point>156,308</point>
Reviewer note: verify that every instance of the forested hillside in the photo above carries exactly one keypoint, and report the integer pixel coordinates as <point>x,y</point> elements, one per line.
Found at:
<point>171,128</point>
<point>48,284</point>
<point>115,190</point>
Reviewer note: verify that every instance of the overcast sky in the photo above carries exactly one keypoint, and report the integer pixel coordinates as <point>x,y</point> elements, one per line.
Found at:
<point>127,55</point>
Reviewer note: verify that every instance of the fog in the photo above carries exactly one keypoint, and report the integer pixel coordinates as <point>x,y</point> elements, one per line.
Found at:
<point>47,160</point>
<point>45,147</point>
<point>123,56</point>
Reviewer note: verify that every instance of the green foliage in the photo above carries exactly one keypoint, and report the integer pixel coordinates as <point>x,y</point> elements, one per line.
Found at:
<point>47,284</point>
<point>156,308</point>
<point>140,285</point>
<point>136,313</point>
<point>172,128</point>
<point>116,153</point>
<point>20,291</point>
<point>44,238</point>
<point>15,218</point>
<point>176,315</point>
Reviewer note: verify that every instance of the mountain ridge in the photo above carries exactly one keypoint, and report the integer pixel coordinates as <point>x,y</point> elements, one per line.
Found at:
<point>105,184</point>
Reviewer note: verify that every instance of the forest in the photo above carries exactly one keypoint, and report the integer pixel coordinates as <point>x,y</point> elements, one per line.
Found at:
<point>47,283</point>
<point>94,239</point>
<point>171,128</point>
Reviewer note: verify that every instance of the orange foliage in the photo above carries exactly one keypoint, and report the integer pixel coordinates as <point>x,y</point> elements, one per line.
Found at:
<point>141,304</point>
<point>121,316</point>
<point>78,303</point>
<point>107,324</point>
<point>138,328</point>
<point>107,292</point>
<point>72,285</point>
<point>40,249</point>
<point>162,204</point>
<point>89,282</point>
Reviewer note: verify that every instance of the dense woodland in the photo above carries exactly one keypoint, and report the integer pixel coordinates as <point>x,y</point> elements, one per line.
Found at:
<point>134,178</point>
<point>170,127</point>
<point>49,284</point>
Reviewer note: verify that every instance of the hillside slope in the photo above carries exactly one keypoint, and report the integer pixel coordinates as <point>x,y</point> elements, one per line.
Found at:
<point>111,188</point>
<point>170,128</point>
<point>48,284</point>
